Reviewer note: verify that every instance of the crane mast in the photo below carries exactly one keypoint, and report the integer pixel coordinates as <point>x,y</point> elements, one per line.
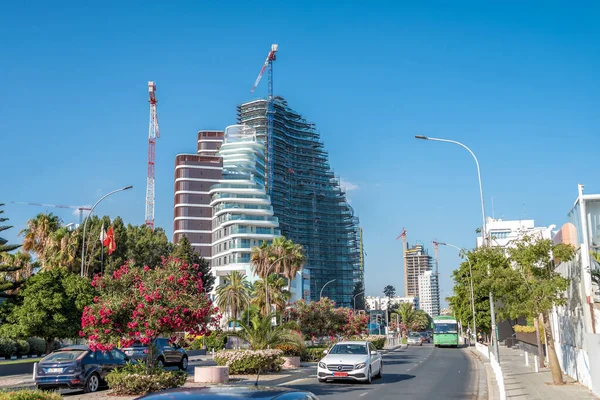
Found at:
<point>153,133</point>
<point>272,56</point>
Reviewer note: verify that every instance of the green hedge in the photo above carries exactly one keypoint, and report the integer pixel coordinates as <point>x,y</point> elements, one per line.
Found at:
<point>133,380</point>
<point>36,346</point>
<point>250,361</point>
<point>312,354</point>
<point>216,340</point>
<point>378,341</point>
<point>8,347</point>
<point>29,395</point>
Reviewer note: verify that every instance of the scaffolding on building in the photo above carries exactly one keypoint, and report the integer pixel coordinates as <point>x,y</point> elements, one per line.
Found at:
<point>308,200</point>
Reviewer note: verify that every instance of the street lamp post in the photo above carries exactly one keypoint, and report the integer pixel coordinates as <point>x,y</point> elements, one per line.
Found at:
<point>321,293</point>
<point>358,294</point>
<point>483,235</point>
<point>88,217</point>
<point>471,281</point>
<point>267,305</point>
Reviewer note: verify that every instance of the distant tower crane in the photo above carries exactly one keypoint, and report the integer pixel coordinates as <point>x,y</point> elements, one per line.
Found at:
<point>270,113</point>
<point>404,248</point>
<point>80,208</point>
<point>153,133</point>
<point>435,250</point>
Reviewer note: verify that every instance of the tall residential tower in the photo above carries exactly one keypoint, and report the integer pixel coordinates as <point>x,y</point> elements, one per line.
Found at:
<point>308,200</point>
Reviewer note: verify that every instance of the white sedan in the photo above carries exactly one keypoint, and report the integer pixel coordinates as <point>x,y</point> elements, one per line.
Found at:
<point>354,360</point>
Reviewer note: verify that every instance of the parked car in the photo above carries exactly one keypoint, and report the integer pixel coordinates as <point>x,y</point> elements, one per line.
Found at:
<point>425,338</point>
<point>415,338</point>
<point>76,367</point>
<point>232,393</point>
<point>166,354</point>
<point>353,360</point>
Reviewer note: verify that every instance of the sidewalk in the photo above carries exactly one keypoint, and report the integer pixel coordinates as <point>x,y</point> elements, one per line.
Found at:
<point>523,382</point>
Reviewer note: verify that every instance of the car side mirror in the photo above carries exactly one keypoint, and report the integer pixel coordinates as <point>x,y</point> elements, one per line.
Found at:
<point>374,352</point>
<point>325,352</point>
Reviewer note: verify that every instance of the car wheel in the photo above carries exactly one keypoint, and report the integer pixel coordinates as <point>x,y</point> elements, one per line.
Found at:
<point>184,363</point>
<point>369,376</point>
<point>380,372</point>
<point>322,380</point>
<point>92,384</point>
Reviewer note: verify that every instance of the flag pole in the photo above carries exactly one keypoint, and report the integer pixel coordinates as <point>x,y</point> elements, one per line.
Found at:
<point>101,259</point>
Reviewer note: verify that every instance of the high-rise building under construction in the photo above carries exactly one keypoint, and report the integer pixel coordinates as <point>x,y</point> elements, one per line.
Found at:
<point>417,261</point>
<point>308,201</point>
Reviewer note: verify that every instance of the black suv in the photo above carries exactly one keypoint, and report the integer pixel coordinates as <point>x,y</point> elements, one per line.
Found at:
<point>77,367</point>
<point>167,353</point>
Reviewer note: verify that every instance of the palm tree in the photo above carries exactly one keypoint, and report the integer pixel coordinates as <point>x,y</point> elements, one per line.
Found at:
<point>234,293</point>
<point>291,257</point>
<point>277,294</point>
<point>62,249</point>
<point>261,335</point>
<point>261,258</point>
<point>37,235</point>
<point>22,265</point>
<point>413,319</point>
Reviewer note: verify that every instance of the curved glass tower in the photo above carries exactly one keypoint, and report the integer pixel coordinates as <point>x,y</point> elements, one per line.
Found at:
<point>308,201</point>
<point>242,213</point>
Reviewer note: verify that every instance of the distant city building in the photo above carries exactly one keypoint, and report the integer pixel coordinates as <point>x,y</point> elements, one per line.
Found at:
<point>429,293</point>
<point>308,201</point>
<point>194,175</point>
<point>381,302</point>
<point>502,233</point>
<point>417,261</point>
<point>446,311</point>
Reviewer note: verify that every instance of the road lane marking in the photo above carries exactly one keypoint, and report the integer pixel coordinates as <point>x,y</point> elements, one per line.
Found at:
<point>294,381</point>
<point>363,394</point>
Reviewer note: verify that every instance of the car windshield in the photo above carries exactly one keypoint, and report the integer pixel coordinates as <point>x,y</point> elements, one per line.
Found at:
<point>445,328</point>
<point>349,349</point>
<point>63,356</point>
<point>414,335</point>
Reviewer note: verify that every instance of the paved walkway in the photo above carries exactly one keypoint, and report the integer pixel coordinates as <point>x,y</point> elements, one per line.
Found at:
<point>522,382</point>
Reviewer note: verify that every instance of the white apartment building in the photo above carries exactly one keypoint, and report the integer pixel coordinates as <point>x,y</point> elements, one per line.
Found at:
<point>502,233</point>
<point>429,293</point>
<point>242,212</point>
<point>381,302</point>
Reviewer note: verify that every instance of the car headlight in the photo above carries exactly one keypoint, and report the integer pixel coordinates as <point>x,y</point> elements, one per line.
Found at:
<point>360,366</point>
<point>322,365</point>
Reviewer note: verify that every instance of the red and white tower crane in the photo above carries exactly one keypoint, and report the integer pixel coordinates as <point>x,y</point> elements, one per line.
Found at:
<point>81,209</point>
<point>153,133</point>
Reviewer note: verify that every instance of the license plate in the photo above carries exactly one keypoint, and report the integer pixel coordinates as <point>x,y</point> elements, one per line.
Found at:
<point>340,374</point>
<point>55,370</point>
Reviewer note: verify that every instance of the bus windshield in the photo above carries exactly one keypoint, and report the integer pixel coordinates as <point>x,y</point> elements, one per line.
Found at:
<point>445,327</point>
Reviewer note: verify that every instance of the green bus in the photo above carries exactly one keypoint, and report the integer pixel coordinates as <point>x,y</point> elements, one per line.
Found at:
<point>445,331</point>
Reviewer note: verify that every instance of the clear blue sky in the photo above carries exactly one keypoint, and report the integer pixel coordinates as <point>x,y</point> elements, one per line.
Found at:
<point>516,82</point>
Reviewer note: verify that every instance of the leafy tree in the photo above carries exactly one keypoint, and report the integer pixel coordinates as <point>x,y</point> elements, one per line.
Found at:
<point>261,335</point>
<point>184,250</point>
<point>532,286</point>
<point>142,303</point>
<point>233,294</point>
<point>146,246</point>
<point>9,266</point>
<point>321,319</point>
<point>277,294</point>
<point>51,306</point>
<point>389,291</point>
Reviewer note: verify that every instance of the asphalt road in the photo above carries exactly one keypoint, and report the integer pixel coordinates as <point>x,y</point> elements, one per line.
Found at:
<point>424,372</point>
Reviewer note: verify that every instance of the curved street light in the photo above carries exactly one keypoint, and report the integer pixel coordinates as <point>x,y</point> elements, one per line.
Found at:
<point>471,281</point>
<point>88,217</point>
<point>357,294</point>
<point>483,235</point>
<point>321,293</point>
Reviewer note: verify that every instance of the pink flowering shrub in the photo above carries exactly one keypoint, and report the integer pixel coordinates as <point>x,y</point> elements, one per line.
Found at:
<point>250,361</point>
<point>141,304</point>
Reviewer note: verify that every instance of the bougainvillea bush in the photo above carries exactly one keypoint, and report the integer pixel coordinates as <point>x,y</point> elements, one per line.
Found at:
<point>142,303</point>
<point>250,361</point>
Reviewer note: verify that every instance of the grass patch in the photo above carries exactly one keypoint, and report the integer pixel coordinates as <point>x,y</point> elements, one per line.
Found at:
<point>19,361</point>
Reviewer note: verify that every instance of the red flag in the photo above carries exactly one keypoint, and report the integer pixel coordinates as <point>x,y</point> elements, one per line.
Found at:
<point>109,241</point>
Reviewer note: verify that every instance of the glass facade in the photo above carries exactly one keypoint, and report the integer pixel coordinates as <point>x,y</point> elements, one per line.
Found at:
<point>307,200</point>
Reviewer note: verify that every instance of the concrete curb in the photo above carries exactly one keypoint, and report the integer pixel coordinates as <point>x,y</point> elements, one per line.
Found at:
<point>492,389</point>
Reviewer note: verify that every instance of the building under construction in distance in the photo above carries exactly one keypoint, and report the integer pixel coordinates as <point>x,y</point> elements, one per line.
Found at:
<point>417,261</point>
<point>308,201</point>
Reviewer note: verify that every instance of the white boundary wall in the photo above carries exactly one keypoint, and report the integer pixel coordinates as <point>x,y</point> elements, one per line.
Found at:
<point>485,351</point>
